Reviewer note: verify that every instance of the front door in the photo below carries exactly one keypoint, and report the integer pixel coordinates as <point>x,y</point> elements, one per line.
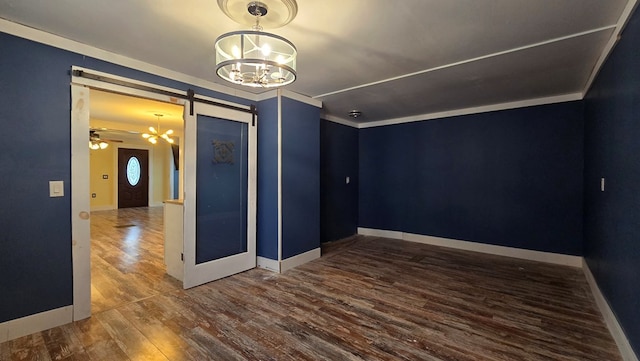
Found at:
<point>133,178</point>
<point>220,194</point>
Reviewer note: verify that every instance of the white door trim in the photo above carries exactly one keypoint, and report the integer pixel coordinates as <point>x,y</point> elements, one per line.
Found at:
<point>80,203</point>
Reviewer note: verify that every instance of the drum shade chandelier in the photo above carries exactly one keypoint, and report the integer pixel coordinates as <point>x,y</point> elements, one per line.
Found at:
<point>255,58</point>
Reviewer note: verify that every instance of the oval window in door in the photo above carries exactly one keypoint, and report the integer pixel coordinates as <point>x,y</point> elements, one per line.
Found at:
<point>133,171</point>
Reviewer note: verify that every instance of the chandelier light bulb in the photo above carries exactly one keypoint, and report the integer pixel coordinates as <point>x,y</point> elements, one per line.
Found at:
<point>266,50</point>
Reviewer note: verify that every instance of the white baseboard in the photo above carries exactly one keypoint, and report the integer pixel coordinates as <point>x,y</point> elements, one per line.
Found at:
<point>19,327</point>
<point>268,263</point>
<point>380,233</point>
<point>103,208</point>
<point>547,257</point>
<point>289,263</point>
<point>609,317</point>
<point>300,259</point>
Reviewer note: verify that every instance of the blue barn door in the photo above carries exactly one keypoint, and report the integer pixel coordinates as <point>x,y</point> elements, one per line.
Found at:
<point>220,194</point>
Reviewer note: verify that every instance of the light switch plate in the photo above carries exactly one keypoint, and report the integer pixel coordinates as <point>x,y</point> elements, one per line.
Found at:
<point>56,188</point>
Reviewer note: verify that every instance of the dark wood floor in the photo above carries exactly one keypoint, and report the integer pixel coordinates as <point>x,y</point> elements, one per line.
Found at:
<point>366,299</point>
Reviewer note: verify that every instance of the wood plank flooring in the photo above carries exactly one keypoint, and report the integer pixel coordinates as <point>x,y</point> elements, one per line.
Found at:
<point>127,257</point>
<point>366,299</point>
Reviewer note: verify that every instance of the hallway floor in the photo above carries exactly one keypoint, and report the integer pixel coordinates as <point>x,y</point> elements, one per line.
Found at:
<point>127,257</point>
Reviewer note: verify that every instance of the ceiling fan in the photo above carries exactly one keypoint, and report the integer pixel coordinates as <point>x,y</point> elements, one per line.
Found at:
<point>96,143</point>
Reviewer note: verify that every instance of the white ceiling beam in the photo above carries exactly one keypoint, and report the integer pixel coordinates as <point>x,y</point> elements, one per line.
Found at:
<point>462,62</point>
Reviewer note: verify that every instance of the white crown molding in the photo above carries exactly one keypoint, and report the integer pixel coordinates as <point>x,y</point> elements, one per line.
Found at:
<point>267,95</point>
<point>291,95</point>
<point>301,98</point>
<point>610,318</point>
<point>56,41</point>
<point>475,110</point>
<point>547,257</point>
<point>338,120</point>
<point>615,36</point>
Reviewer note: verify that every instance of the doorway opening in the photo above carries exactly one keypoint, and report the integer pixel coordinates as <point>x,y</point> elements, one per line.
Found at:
<point>198,113</point>
<point>129,180</point>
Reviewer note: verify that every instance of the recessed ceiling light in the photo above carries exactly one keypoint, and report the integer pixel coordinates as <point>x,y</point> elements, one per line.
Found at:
<point>355,113</point>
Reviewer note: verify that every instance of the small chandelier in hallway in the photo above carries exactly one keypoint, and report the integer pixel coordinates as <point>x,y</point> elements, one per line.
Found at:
<point>154,133</point>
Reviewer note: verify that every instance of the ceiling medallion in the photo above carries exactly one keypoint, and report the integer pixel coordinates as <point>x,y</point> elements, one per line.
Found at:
<point>252,57</point>
<point>281,12</point>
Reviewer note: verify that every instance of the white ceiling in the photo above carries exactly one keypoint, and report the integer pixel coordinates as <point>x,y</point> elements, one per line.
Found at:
<point>389,59</point>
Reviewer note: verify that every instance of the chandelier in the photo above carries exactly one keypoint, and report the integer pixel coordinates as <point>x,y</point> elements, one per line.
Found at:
<point>154,134</point>
<point>94,141</point>
<point>254,58</point>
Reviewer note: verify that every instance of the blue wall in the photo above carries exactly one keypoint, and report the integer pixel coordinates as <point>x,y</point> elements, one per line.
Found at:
<point>267,227</point>
<point>612,151</point>
<point>300,177</point>
<point>338,200</point>
<point>511,178</point>
<point>35,242</point>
